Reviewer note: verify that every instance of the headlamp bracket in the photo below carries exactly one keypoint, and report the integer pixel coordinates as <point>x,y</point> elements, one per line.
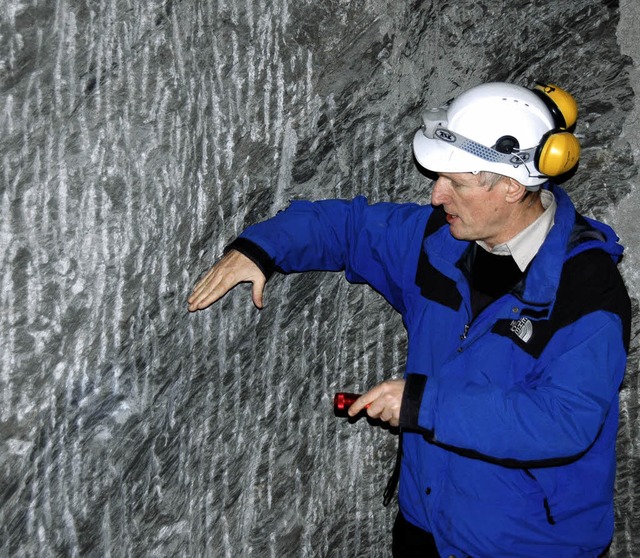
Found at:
<point>432,120</point>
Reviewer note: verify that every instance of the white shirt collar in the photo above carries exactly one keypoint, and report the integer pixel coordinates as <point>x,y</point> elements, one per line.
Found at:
<point>525,245</point>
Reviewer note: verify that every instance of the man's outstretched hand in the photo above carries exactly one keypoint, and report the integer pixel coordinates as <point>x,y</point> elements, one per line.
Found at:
<point>233,268</point>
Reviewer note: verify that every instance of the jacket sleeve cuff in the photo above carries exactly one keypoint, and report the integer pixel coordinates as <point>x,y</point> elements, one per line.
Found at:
<point>255,253</point>
<point>411,400</point>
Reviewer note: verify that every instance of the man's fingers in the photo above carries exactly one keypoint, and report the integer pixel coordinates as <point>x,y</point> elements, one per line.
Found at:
<point>365,401</point>
<point>212,287</point>
<point>202,287</point>
<point>202,284</point>
<point>232,269</point>
<point>383,402</point>
<point>206,295</point>
<point>361,403</point>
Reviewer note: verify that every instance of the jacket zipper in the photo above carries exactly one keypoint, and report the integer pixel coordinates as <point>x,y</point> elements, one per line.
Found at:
<point>464,333</point>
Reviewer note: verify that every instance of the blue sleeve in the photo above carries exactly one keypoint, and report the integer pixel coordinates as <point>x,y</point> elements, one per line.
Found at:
<point>372,244</point>
<point>557,418</point>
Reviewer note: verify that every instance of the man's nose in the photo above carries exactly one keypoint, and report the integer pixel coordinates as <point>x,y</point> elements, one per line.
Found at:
<point>439,192</point>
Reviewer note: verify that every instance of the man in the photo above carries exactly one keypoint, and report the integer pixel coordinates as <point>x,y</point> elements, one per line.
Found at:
<point>518,328</point>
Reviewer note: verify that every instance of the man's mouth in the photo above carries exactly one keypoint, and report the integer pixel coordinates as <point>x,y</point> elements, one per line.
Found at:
<point>451,217</point>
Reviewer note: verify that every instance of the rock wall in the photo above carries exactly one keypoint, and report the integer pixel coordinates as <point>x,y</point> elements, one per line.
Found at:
<point>137,139</point>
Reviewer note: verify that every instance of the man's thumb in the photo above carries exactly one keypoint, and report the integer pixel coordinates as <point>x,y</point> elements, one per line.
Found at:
<point>257,291</point>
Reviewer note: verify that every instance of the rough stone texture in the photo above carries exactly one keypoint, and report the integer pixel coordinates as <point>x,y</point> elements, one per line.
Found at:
<point>137,139</point>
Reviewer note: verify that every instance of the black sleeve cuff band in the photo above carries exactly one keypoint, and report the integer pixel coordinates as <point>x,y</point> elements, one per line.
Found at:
<point>411,400</point>
<point>255,253</point>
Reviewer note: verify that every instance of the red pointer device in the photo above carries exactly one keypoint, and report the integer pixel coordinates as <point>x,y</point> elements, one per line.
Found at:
<point>342,401</point>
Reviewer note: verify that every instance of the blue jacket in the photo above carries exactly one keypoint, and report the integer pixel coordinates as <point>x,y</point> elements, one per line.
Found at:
<point>509,419</point>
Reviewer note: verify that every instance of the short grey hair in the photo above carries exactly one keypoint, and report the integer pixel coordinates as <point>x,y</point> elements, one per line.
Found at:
<point>490,179</point>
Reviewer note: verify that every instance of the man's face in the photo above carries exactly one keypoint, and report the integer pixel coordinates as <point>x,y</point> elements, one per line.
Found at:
<point>474,211</point>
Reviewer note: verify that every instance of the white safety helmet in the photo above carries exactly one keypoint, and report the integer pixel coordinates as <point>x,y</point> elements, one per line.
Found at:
<point>502,128</point>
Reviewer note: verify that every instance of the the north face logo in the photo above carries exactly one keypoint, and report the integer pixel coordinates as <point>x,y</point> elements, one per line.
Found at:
<point>523,328</point>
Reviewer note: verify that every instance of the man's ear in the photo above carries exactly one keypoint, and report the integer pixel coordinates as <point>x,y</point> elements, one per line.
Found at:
<point>515,191</point>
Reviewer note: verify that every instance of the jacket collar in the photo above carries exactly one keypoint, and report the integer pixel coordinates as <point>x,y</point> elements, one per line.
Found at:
<point>540,285</point>
<point>543,277</point>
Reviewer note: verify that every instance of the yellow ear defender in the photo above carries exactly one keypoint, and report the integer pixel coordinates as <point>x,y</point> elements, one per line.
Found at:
<point>559,149</point>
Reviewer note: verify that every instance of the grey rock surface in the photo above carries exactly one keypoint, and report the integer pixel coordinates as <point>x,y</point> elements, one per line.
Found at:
<point>136,140</point>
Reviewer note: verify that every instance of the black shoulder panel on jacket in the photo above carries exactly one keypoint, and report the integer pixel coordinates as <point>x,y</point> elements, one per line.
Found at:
<point>437,220</point>
<point>590,281</point>
<point>433,284</point>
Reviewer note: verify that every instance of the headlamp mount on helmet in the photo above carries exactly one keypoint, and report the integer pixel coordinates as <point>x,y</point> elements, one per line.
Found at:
<point>434,126</point>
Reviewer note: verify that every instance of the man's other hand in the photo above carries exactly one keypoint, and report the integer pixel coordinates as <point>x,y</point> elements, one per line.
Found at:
<point>383,402</point>
<point>233,268</point>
